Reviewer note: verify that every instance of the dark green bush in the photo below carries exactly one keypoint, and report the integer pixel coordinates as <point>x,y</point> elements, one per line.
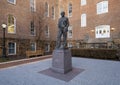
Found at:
<point>95,53</point>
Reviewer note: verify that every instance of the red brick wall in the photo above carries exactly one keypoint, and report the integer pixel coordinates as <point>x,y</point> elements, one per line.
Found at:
<point>23,15</point>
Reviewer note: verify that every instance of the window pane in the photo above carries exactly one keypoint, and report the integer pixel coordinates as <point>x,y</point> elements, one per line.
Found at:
<point>70,9</point>
<point>53,12</point>
<point>102,31</point>
<point>47,47</point>
<point>70,34</point>
<point>32,28</point>
<point>12,48</point>
<point>46,9</point>
<point>12,1</point>
<point>105,6</point>
<point>32,5</point>
<point>33,46</point>
<point>83,2</point>
<point>102,7</point>
<point>47,31</point>
<point>83,20</point>
<point>11,24</point>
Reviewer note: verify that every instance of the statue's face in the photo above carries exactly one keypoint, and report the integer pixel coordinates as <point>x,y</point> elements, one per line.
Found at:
<point>62,14</point>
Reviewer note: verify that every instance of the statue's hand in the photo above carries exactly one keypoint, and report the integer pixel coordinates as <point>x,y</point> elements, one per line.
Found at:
<point>65,29</point>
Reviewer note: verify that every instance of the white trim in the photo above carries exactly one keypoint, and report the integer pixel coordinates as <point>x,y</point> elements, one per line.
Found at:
<point>12,2</point>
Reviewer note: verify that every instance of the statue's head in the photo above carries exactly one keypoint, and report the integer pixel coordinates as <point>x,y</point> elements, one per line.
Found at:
<point>62,13</point>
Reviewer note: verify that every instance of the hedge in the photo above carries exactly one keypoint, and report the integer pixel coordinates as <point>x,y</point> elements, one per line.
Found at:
<point>95,53</point>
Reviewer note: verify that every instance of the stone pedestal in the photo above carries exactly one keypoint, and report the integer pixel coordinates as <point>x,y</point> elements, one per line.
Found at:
<point>61,61</point>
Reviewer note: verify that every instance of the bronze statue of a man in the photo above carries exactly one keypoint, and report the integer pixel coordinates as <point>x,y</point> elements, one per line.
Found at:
<point>63,24</point>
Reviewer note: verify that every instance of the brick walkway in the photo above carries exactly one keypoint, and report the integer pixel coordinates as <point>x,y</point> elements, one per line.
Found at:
<point>22,61</point>
<point>96,72</point>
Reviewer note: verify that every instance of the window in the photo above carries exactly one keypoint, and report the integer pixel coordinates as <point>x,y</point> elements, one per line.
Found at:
<point>60,10</point>
<point>47,32</point>
<point>32,28</point>
<point>32,5</point>
<point>78,45</point>
<point>11,48</point>
<point>11,24</point>
<point>46,9</point>
<point>102,7</point>
<point>102,31</point>
<point>33,46</point>
<point>53,12</point>
<point>83,2</point>
<point>70,10</point>
<point>47,47</point>
<point>12,1</point>
<point>70,34</point>
<point>70,45</point>
<point>83,20</point>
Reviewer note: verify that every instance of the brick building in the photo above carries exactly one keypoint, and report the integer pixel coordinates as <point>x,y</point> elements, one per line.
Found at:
<point>93,23</point>
<point>32,24</point>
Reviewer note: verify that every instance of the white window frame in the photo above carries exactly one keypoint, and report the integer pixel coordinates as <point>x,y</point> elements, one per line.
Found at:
<point>102,7</point>
<point>34,45</point>
<point>70,29</point>
<point>83,20</point>
<point>102,31</point>
<point>33,5</point>
<point>83,2</point>
<point>70,14</point>
<point>14,49</point>
<point>14,25</point>
<point>14,2</point>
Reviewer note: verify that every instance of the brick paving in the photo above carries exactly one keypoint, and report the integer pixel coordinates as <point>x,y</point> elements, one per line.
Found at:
<point>22,61</point>
<point>96,72</point>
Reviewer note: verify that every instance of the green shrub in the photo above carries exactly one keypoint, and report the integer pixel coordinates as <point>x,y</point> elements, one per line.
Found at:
<point>95,53</point>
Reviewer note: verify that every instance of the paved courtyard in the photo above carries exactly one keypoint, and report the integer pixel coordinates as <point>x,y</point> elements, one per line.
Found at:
<point>96,72</point>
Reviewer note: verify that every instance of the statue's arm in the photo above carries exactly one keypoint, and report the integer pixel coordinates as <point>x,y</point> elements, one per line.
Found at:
<point>59,23</point>
<point>67,22</point>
